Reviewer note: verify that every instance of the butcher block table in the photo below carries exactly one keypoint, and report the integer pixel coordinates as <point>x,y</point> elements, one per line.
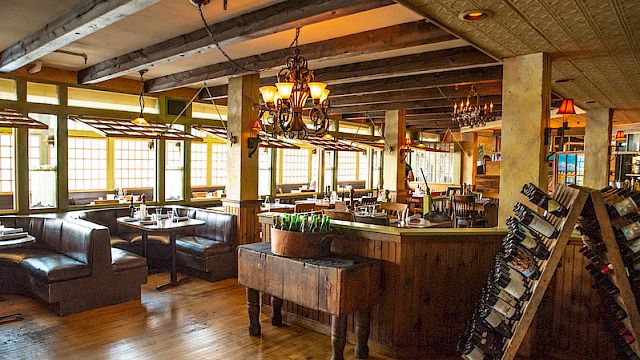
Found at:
<point>336,285</point>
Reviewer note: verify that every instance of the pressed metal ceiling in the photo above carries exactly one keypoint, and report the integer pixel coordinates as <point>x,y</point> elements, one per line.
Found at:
<point>594,43</point>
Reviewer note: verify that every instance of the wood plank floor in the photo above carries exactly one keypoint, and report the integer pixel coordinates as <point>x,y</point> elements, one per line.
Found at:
<point>198,320</point>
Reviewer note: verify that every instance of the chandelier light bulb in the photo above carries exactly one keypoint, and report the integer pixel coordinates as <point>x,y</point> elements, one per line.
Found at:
<point>268,93</point>
<point>285,89</point>
<point>317,89</point>
<point>325,95</point>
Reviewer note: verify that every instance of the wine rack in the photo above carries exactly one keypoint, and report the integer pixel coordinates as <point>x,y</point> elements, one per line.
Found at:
<point>579,201</point>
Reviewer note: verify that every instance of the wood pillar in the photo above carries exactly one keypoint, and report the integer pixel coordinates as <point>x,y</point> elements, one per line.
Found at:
<point>159,196</point>
<point>320,178</point>
<point>186,174</point>
<point>21,156</point>
<point>469,157</point>
<point>242,170</point>
<point>526,100</point>
<point>62,150</point>
<point>597,139</point>
<point>394,167</point>
<point>273,174</point>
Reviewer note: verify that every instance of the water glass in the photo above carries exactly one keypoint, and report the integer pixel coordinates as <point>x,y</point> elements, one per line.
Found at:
<point>277,201</point>
<point>158,213</point>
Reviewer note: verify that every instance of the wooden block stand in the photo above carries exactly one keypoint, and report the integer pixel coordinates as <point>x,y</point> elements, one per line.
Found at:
<point>576,199</point>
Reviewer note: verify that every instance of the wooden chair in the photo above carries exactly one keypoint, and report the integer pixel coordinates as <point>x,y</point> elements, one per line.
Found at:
<point>464,214</point>
<point>338,215</point>
<point>367,201</point>
<point>304,207</point>
<point>374,220</point>
<point>393,209</point>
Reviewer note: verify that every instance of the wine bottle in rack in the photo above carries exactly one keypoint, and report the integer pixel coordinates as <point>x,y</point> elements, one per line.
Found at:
<point>535,222</point>
<point>623,207</point>
<point>522,261</point>
<point>543,200</point>
<point>533,244</point>
<point>503,295</point>
<point>621,342</point>
<point>501,306</point>
<point>495,320</point>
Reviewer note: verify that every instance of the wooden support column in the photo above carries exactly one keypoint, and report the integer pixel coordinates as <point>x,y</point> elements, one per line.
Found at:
<point>320,178</point>
<point>273,191</point>
<point>469,157</point>
<point>62,150</point>
<point>242,171</point>
<point>21,156</point>
<point>160,194</point>
<point>597,139</point>
<point>186,174</point>
<point>394,167</point>
<point>526,101</point>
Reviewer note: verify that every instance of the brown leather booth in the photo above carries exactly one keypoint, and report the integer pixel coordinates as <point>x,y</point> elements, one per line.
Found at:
<point>70,266</point>
<point>207,251</point>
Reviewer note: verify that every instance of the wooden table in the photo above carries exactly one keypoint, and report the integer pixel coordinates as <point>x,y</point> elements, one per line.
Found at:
<point>336,285</point>
<point>164,226</point>
<point>9,244</point>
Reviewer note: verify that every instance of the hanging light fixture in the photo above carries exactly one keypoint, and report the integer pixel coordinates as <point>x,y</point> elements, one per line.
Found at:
<point>140,120</point>
<point>566,107</point>
<point>472,114</point>
<point>284,103</point>
<point>620,136</point>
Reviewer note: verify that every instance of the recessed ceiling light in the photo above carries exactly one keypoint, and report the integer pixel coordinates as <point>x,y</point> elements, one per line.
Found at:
<point>474,15</point>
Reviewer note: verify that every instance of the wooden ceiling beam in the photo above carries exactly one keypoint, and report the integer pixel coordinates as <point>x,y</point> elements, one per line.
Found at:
<point>77,23</point>
<point>389,38</point>
<point>282,16</point>
<point>420,81</point>
<point>417,104</point>
<point>449,92</point>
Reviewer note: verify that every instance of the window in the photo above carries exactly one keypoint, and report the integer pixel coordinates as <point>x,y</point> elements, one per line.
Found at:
<point>346,166</point>
<point>315,177</point>
<point>264,171</point>
<point>377,169</point>
<point>8,89</point>
<point>208,111</point>
<point>7,151</point>
<point>328,169</point>
<point>42,93</point>
<point>198,164</point>
<point>295,166</point>
<point>87,164</point>
<point>438,167</point>
<point>42,163</point>
<point>219,164</point>
<point>363,167</point>
<point>97,99</point>
<point>174,169</point>
<point>134,164</point>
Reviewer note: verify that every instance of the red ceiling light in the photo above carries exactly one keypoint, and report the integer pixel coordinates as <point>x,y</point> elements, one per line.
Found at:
<point>566,108</point>
<point>408,142</point>
<point>256,125</point>
<point>474,15</point>
<point>620,136</point>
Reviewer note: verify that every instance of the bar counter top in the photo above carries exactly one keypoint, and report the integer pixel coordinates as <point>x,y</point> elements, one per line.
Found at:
<point>402,231</point>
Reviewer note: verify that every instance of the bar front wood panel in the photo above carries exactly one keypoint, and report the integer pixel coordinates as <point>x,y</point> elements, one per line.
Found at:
<point>568,324</point>
<point>430,284</point>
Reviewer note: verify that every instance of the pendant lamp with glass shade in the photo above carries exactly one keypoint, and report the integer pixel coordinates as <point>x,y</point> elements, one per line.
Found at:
<point>140,120</point>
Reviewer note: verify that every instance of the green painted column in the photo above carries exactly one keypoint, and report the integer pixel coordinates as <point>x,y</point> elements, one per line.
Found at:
<point>186,173</point>
<point>62,150</point>
<point>160,169</point>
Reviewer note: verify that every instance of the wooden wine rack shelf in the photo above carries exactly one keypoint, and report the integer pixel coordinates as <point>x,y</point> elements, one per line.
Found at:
<point>576,199</point>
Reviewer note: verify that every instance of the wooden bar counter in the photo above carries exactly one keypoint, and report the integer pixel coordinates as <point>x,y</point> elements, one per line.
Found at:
<point>431,280</point>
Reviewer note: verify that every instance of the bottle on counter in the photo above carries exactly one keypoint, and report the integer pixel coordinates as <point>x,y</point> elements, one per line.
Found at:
<point>143,206</point>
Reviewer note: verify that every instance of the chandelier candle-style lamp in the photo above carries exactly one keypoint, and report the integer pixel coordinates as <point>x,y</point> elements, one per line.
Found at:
<point>472,114</point>
<point>140,120</point>
<point>284,103</point>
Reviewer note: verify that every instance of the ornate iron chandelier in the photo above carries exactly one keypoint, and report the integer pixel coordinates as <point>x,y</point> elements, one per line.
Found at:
<point>283,110</point>
<point>472,114</point>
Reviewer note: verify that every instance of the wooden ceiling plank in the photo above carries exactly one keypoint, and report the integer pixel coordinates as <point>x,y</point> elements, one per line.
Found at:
<point>77,23</point>
<point>417,104</point>
<point>282,16</point>
<point>480,75</point>
<point>394,37</point>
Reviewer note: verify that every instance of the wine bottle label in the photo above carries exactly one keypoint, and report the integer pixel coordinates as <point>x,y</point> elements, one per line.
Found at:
<point>506,297</point>
<point>625,206</point>
<point>475,354</point>
<point>553,205</point>
<point>495,318</point>
<point>631,231</point>
<point>523,263</point>
<point>504,308</point>
<point>635,246</point>
<point>542,226</point>
<point>529,243</point>
<point>515,289</point>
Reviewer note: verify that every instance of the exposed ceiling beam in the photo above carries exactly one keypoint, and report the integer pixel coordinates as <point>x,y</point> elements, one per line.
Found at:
<point>418,104</point>
<point>82,20</point>
<point>389,38</point>
<point>451,93</point>
<point>283,16</point>
<point>416,117</point>
<point>420,81</point>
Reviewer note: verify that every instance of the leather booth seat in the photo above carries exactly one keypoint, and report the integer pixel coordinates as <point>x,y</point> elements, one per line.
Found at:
<point>207,251</point>
<point>70,266</point>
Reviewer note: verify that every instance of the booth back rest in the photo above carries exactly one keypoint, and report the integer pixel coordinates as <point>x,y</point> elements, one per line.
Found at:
<point>105,217</point>
<point>218,226</point>
<point>76,239</point>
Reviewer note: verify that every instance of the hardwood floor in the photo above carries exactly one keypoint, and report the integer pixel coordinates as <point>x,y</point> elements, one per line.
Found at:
<point>198,320</point>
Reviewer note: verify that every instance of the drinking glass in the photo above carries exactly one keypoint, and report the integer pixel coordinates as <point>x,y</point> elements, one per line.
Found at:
<point>158,213</point>
<point>277,201</point>
<point>172,215</point>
